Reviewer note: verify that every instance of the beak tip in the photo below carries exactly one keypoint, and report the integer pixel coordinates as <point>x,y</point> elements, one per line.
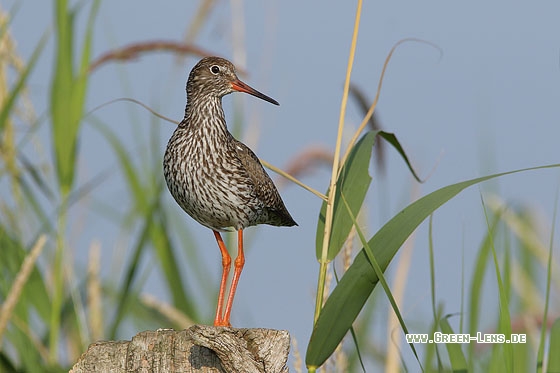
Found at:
<point>239,86</point>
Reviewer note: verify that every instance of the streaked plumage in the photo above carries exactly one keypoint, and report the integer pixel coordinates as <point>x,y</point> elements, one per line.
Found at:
<point>216,179</point>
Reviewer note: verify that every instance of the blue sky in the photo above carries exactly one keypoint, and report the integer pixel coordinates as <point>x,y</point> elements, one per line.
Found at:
<point>488,103</point>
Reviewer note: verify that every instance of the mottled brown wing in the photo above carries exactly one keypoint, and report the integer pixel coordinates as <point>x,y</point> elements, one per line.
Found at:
<point>264,187</point>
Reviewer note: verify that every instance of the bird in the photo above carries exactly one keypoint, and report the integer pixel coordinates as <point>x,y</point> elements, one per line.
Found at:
<point>215,178</point>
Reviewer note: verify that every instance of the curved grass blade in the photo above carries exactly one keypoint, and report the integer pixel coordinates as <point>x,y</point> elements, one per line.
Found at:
<point>349,296</point>
<point>130,173</point>
<point>68,91</point>
<point>353,182</point>
<point>391,138</point>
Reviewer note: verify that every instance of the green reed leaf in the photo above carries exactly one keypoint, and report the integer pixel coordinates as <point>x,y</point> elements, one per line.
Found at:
<point>353,182</point>
<point>349,296</point>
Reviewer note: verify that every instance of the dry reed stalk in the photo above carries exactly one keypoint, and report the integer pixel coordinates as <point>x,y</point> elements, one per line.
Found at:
<point>308,160</point>
<point>298,361</point>
<point>336,168</point>
<point>9,59</point>
<point>19,282</point>
<point>198,20</point>
<point>171,313</point>
<point>133,51</point>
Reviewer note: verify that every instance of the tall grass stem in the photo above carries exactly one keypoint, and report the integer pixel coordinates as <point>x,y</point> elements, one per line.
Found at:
<point>335,167</point>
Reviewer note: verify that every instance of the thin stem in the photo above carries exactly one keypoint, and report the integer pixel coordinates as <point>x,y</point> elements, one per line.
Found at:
<point>540,352</point>
<point>293,179</point>
<point>58,284</point>
<point>27,266</point>
<point>336,164</point>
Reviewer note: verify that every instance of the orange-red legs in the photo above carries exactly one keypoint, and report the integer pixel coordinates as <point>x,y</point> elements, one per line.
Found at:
<point>237,268</point>
<point>220,320</point>
<point>226,265</point>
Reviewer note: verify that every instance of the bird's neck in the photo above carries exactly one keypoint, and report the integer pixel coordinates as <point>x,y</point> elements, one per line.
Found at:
<point>205,114</point>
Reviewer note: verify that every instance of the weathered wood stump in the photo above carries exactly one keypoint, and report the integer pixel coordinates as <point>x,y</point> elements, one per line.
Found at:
<point>200,348</point>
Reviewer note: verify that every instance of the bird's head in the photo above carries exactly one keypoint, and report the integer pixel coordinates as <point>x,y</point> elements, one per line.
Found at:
<point>216,77</point>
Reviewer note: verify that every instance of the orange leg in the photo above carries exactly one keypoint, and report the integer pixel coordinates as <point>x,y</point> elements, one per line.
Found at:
<point>226,265</point>
<point>238,267</point>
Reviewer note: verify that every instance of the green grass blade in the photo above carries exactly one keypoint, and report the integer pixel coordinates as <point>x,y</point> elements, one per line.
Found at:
<point>68,91</point>
<point>353,182</point>
<point>21,341</point>
<point>32,200</point>
<point>435,313</point>
<point>64,128</point>
<point>131,177</point>
<point>37,177</point>
<point>432,349</point>
<point>160,238</point>
<point>86,52</point>
<point>505,318</point>
<point>349,296</point>
<point>553,348</point>
<point>432,268</point>
<point>131,272</point>
<point>475,293</point>
<point>456,356</point>
<point>540,354</point>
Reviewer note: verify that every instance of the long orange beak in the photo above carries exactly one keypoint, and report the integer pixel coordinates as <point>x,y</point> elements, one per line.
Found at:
<point>239,86</point>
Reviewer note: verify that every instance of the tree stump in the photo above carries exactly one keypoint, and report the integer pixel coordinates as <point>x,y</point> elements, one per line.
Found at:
<point>204,349</point>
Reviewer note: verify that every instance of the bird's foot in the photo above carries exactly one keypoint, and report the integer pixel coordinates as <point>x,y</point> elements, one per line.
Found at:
<point>222,323</point>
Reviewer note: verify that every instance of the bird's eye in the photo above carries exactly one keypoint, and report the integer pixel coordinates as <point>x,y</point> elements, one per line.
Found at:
<point>215,69</point>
